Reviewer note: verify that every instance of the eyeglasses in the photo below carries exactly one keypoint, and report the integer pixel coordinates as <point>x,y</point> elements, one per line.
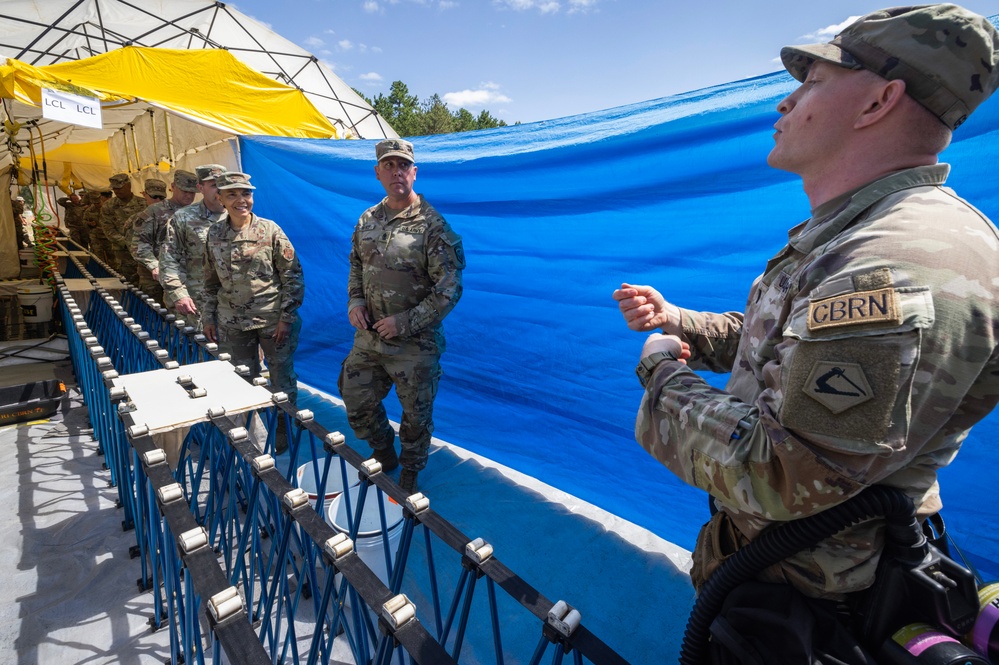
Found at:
<point>392,165</point>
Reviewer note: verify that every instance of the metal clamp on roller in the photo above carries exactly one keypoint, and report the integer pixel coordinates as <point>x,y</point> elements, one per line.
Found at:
<point>337,547</point>
<point>304,415</point>
<point>216,412</point>
<point>97,351</point>
<point>225,356</point>
<point>135,431</point>
<point>259,381</point>
<point>171,364</point>
<point>398,611</point>
<point>135,327</point>
<point>243,370</point>
<point>371,467</point>
<point>109,376</point>
<point>78,318</point>
<point>294,498</point>
<point>417,503</point>
<point>90,340</point>
<point>161,354</point>
<point>125,407</point>
<point>117,394</point>
<point>152,344</point>
<point>262,463</point>
<point>185,380</point>
<point>238,434</point>
<point>81,327</point>
<point>104,364</point>
<point>564,618</point>
<point>211,346</point>
<point>153,457</point>
<point>170,493</point>
<point>225,604</point>
<point>188,330</point>
<point>142,335</point>
<point>193,540</point>
<point>479,551</point>
<point>279,397</point>
<point>195,393</point>
<point>179,324</point>
<point>200,337</point>
<point>129,321</point>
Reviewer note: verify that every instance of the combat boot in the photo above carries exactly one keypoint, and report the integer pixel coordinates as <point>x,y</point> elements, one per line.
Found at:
<point>280,436</point>
<point>407,481</point>
<point>387,457</point>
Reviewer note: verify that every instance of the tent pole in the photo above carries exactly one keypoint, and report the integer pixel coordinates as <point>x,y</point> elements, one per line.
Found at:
<point>135,147</point>
<point>128,160</point>
<point>152,125</point>
<point>169,141</point>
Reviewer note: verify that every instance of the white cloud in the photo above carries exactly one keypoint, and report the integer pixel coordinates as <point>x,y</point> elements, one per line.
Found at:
<point>828,32</point>
<point>488,94</point>
<point>371,77</point>
<point>446,4</point>
<point>345,44</point>
<point>547,6</point>
<point>371,6</point>
<point>313,42</point>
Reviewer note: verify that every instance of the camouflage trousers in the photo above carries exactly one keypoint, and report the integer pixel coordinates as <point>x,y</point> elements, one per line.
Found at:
<point>366,378</point>
<point>147,284</point>
<point>101,246</point>
<point>126,265</point>
<point>80,235</point>
<point>243,346</point>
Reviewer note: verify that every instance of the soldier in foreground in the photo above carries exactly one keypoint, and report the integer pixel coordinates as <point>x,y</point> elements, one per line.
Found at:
<point>399,292</point>
<point>254,286</point>
<point>870,343</point>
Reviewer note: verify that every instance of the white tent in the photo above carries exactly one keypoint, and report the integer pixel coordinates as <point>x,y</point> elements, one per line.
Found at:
<point>44,32</point>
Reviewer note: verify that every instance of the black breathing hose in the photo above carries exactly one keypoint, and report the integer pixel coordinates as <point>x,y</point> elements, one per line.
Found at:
<point>787,538</point>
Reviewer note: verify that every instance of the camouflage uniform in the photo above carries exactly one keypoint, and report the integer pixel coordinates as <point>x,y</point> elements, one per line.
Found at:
<point>99,243</point>
<point>867,351</point>
<point>182,259</point>
<point>74,220</point>
<point>117,217</point>
<point>148,236</point>
<point>253,281</point>
<point>406,264</point>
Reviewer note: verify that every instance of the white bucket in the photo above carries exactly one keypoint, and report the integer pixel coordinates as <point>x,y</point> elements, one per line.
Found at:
<point>305,479</point>
<point>26,259</point>
<point>369,544</point>
<point>36,303</point>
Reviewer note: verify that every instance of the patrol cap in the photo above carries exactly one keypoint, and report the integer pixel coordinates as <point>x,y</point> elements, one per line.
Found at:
<point>185,181</point>
<point>208,171</point>
<point>233,180</point>
<point>118,180</point>
<point>394,148</point>
<point>155,187</point>
<point>946,55</point>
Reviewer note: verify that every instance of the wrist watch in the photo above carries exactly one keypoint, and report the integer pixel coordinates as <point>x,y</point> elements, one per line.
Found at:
<point>649,362</point>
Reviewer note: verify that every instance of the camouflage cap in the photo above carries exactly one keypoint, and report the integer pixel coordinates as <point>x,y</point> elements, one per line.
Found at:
<point>185,181</point>
<point>946,55</point>
<point>156,187</point>
<point>394,148</point>
<point>209,171</point>
<point>233,180</point>
<point>118,180</point>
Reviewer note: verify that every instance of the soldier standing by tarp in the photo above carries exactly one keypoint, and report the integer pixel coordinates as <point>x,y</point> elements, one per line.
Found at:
<point>254,286</point>
<point>149,231</point>
<point>121,232</point>
<point>405,277</point>
<point>182,258</point>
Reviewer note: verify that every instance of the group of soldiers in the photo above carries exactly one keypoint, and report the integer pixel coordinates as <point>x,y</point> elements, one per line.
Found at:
<point>134,235</point>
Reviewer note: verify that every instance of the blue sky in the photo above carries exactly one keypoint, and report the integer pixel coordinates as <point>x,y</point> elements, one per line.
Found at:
<point>532,60</point>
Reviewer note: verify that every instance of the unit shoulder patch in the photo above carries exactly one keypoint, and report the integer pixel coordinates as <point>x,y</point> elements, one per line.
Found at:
<point>838,386</point>
<point>856,308</point>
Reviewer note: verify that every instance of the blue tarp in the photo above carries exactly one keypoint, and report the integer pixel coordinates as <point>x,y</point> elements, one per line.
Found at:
<point>539,370</point>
